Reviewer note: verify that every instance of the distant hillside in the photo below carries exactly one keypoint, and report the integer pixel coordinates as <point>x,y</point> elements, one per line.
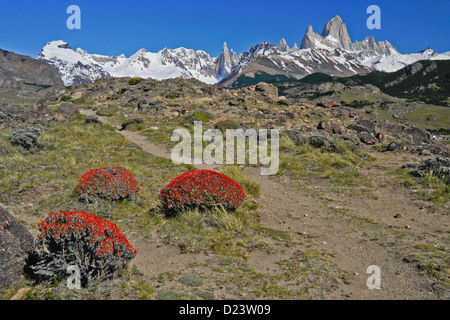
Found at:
<point>23,78</point>
<point>426,81</point>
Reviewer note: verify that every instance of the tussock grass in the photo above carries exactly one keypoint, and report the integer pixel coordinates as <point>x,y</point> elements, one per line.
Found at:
<point>428,187</point>
<point>212,231</point>
<point>249,186</point>
<point>339,166</point>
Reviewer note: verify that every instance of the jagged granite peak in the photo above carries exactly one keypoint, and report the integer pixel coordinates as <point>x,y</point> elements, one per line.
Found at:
<point>283,46</point>
<point>308,39</point>
<point>269,59</point>
<point>369,47</point>
<point>380,55</point>
<point>226,61</point>
<point>338,30</point>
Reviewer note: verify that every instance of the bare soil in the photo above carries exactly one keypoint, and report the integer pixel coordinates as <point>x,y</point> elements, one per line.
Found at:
<point>355,231</point>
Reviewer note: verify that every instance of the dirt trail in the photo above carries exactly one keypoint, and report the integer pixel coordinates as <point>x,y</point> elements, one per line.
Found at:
<point>303,213</point>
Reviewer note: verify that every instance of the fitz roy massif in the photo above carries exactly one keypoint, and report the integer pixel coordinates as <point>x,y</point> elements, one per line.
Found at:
<point>332,52</point>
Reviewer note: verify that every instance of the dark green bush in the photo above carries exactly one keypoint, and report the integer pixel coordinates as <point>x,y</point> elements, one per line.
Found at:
<point>134,81</point>
<point>66,98</point>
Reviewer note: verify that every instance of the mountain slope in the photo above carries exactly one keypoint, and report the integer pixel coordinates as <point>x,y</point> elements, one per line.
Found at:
<point>268,59</point>
<point>23,78</point>
<point>425,81</point>
<point>332,52</point>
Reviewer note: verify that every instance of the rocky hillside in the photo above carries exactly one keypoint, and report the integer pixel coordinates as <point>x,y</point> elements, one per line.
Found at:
<point>423,81</point>
<point>332,52</point>
<point>351,191</point>
<point>22,77</point>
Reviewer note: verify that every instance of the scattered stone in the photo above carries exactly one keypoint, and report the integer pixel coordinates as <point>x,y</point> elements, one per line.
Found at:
<point>398,215</point>
<point>330,127</point>
<point>380,137</point>
<point>394,146</point>
<point>366,138</point>
<point>68,109</point>
<point>267,90</point>
<point>425,152</point>
<point>298,137</point>
<point>16,243</point>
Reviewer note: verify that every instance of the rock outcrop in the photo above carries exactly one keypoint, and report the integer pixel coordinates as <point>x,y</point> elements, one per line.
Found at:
<point>15,244</point>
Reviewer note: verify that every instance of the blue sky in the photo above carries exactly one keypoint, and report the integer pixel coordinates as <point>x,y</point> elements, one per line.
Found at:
<point>115,27</point>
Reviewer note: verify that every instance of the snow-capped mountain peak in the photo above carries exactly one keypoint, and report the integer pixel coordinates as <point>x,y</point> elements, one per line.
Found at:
<point>331,52</point>
<point>78,65</point>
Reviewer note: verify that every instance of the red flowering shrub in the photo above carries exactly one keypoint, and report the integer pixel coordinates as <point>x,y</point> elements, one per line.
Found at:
<point>108,183</point>
<point>201,189</point>
<point>96,246</point>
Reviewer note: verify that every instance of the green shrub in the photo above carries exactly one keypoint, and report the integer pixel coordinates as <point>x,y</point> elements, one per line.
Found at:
<point>66,98</point>
<point>172,95</point>
<point>130,122</point>
<point>134,81</point>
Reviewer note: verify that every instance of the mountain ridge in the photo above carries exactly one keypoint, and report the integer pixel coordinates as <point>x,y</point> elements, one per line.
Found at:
<point>331,52</point>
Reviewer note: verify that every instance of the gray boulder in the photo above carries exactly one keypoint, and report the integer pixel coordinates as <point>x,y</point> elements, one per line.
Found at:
<point>366,137</point>
<point>298,137</point>
<point>68,109</point>
<point>16,243</point>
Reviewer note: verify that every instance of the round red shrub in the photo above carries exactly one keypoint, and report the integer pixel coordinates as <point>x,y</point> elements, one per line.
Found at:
<point>108,183</point>
<point>78,238</point>
<point>203,189</point>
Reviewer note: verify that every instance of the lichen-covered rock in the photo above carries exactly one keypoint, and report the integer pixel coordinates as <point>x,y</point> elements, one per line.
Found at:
<point>298,137</point>
<point>267,90</point>
<point>15,244</point>
<point>329,126</point>
<point>367,138</point>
